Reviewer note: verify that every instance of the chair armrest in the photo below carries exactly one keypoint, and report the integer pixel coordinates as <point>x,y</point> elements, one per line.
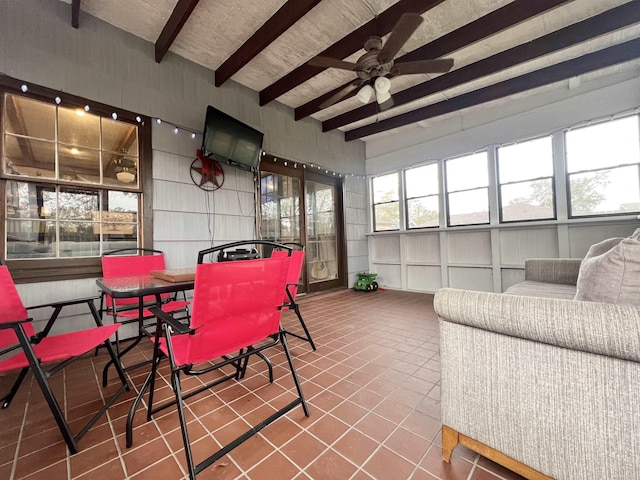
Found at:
<point>66,303</point>
<point>552,270</point>
<point>165,317</point>
<point>600,328</point>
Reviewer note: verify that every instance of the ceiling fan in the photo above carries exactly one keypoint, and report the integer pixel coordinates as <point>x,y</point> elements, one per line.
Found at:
<point>376,66</point>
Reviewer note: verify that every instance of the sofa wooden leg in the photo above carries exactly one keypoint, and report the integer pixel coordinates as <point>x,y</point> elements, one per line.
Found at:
<point>450,439</point>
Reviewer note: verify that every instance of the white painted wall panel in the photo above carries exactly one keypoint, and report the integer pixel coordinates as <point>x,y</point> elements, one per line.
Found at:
<point>422,248</point>
<point>471,278</point>
<point>423,278</point>
<point>516,245</point>
<point>388,275</point>
<point>385,248</point>
<point>582,237</point>
<point>511,276</point>
<point>469,248</point>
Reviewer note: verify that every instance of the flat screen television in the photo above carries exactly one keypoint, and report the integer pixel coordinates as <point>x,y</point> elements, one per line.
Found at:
<point>228,140</point>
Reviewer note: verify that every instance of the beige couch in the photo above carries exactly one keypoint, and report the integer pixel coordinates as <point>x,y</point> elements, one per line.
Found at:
<point>541,383</point>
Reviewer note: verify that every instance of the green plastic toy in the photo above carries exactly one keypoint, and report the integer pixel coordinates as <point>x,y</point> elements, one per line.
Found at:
<point>366,282</point>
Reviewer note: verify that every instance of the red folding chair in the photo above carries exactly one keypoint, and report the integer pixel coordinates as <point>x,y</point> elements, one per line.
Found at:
<point>236,313</point>
<point>122,263</point>
<point>293,282</point>
<point>23,349</point>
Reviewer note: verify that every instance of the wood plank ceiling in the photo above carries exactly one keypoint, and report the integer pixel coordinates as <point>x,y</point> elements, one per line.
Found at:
<point>500,49</point>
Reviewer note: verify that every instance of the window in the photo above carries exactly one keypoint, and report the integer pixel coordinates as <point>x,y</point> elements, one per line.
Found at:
<point>422,191</point>
<point>386,202</point>
<point>71,185</point>
<point>526,188</point>
<point>467,180</point>
<point>603,165</point>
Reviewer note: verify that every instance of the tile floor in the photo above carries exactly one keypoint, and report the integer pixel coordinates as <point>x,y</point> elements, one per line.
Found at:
<point>372,388</point>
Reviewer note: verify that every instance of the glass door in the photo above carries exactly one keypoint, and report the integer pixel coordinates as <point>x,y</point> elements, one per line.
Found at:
<point>301,206</point>
<point>322,242</point>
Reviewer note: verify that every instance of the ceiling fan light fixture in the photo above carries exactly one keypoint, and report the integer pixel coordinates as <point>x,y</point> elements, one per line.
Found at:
<point>365,93</point>
<point>382,84</point>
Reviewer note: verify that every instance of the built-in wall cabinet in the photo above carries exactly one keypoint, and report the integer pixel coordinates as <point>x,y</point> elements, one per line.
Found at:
<point>488,259</point>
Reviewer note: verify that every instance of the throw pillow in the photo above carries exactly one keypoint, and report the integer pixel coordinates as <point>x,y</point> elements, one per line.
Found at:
<point>610,272</point>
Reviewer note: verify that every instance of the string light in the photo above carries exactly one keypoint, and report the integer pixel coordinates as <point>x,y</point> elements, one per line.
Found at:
<point>297,164</point>
<point>193,134</point>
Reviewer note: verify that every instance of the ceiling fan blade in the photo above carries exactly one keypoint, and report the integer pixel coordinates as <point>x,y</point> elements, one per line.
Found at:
<point>327,62</point>
<point>408,23</point>
<point>342,93</point>
<point>422,66</point>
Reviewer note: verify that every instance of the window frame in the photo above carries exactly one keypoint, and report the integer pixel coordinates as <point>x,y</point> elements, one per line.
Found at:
<point>54,269</point>
<point>568,174</point>
<point>552,178</point>
<point>447,192</point>
<point>397,202</point>
<point>407,198</point>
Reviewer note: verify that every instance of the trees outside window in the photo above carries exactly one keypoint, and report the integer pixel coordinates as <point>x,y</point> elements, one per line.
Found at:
<point>603,167</point>
<point>525,172</point>
<point>422,191</point>
<point>386,202</point>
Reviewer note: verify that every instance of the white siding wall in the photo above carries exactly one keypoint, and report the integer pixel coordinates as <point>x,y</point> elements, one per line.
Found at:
<point>107,65</point>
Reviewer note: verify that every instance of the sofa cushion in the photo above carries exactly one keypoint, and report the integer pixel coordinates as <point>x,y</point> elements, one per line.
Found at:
<point>531,288</point>
<point>610,272</point>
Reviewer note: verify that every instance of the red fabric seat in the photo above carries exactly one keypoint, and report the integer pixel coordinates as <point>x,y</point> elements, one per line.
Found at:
<point>24,349</point>
<point>121,263</point>
<point>236,312</point>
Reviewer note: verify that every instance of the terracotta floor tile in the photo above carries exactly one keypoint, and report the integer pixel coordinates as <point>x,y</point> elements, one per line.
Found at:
<point>328,429</point>
<point>303,449</point>
<point>356,446</point>
<point>111,470</point>
<point>374,378</point>
<point>141,457</point>
<point>493,467</point>
<point>330,466</point>
<point>90,458</point>
<point>387,465</point>
<point>40,459</point>
<point>54,470</point>
<point>276,462</point>
<point>167,468</point>
<point>457,469</point>
<point>407,444</point>
<point>375,426</point>
<point>349,412</point>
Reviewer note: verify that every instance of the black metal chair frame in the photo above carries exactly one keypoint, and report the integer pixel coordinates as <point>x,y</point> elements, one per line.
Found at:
<point>41,375</point>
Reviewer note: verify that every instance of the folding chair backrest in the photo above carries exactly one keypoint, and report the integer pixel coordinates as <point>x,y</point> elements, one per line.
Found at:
<point>235,304</point>
<point>11,309</point>
<point>295,267</point>
<point>125,265</point>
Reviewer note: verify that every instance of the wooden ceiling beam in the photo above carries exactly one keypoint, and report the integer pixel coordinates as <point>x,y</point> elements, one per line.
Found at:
<point>172,28</point>
<point>606,57</point>
<point>606,22</point>
<point>280,22</point>
<point>381,25</point>
<point>75,13</point>
<point>490,24</point>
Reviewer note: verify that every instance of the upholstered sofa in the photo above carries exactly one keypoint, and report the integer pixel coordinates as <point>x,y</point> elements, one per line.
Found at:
<point>544,384</point>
